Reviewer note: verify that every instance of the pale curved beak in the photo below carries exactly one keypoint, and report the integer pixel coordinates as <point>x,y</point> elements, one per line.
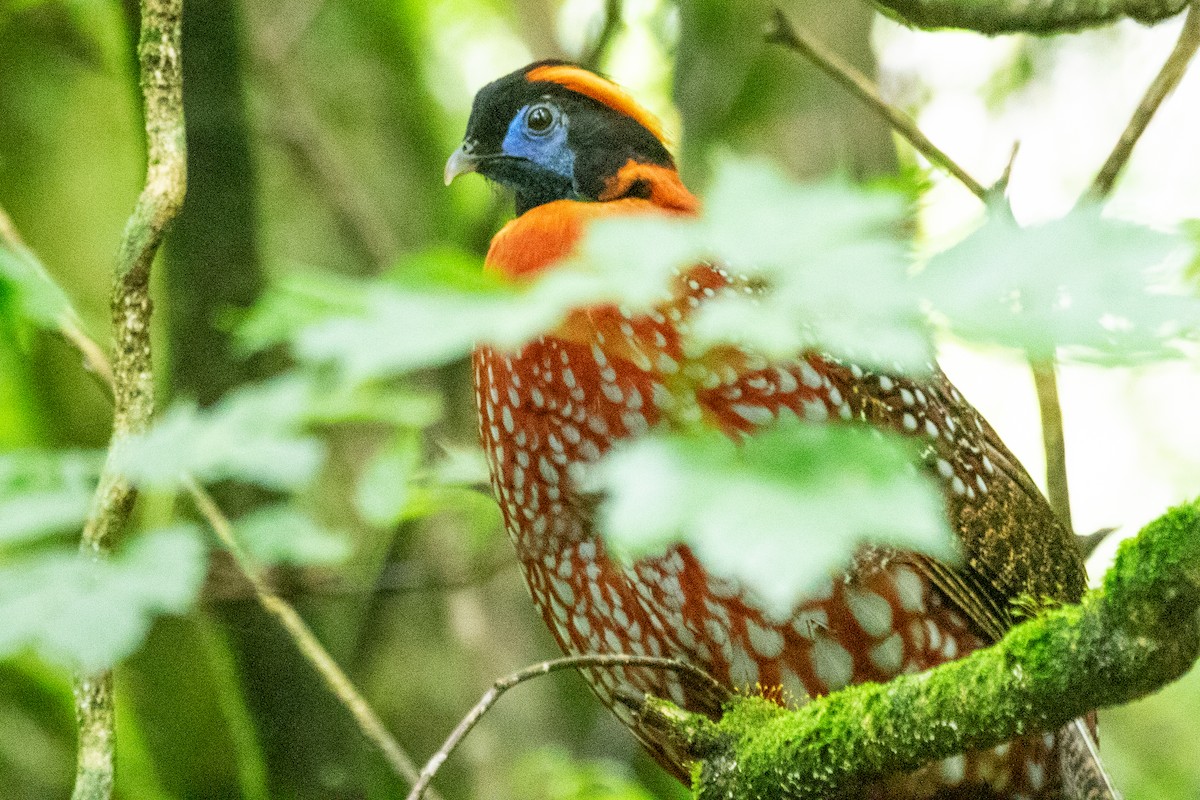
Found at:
<point>461,161</point>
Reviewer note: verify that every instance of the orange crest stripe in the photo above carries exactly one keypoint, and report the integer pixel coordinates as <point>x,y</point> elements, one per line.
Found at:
<point>589,84</point>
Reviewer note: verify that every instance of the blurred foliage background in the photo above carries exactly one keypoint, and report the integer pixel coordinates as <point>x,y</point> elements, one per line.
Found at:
<point>317,132</point>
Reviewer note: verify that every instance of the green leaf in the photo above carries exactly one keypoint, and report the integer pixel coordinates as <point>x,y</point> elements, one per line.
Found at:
<point>383,495</point>
<point>1082,282</point>
<point>89,613</point>
<point>42,493</point>
<point>294,301</point>
<point>255,434</point>
<point>747,509</point>
<point>283,534</point>
<point>39,298</point>
<point>833,263</point>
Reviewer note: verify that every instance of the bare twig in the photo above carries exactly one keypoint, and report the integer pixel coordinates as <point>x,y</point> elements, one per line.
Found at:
<point>161,76</point>
<point>536,671</point>
<point>337,681</point>
<point>1046,383</point>
<point>1166,80</point>
<point>783,31</point>
<point>594,55</point>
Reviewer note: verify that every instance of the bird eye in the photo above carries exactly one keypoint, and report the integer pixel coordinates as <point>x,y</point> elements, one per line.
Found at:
<point>539,119</point>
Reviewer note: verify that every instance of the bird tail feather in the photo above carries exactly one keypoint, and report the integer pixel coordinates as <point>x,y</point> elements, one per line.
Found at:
<point>1082,774</point>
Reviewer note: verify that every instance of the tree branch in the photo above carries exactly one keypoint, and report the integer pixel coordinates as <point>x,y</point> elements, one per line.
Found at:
<point>1017,16</point>
<point>1128,639</point>
<point>502,685</point>
<point>160,74</point>
<point>782,31</point>
<point>1166,80</point>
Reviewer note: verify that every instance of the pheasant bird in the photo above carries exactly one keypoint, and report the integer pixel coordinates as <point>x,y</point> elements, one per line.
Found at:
<point>574,147</point>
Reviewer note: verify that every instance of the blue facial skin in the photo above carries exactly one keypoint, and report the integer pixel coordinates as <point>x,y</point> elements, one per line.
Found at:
<point>542,165</point>
<point>547,149</point>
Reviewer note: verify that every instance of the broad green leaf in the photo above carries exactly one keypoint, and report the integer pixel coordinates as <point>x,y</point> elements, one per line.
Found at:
<point>283,534</point>
<point>255,434</point>
<point>832,262</point>
<point>1084,283</point>
<point>777,512</point>
<point>85,613</point>
<point>44,492</point>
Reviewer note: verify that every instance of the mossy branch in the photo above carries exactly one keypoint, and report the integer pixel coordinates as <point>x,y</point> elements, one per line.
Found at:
<point>1126,640</point>
<point>1020,16</point>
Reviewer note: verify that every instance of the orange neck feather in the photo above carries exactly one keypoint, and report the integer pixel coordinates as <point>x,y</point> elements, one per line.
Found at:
<point>546,234</point>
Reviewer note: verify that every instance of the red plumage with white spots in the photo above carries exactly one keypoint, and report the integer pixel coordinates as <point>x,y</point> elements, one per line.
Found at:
<point>574,147</point>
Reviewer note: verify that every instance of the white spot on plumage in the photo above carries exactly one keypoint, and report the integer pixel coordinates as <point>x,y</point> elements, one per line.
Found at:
<point>872,612</point>
<point>767,642</point>
<point>832,663</point>
<point>754,414</point>
<point>888,654</point>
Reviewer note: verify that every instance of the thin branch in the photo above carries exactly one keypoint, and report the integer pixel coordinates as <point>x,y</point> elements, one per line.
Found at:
<point>333,676</point>
<point>1045,381</point>
<point>1166,80</point>
<point>782,31</point>
<point>536,671</point>
<point>592,58</point>
<point>160,71</point>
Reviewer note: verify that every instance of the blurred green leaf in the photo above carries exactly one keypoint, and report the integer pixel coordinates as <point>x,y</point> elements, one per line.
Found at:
<point>461,466</point>
<point>382,494</point>
<point>1083,282</point>
<point>553,774</point>
<point>374,402</point>
<point>296,300</point>
<point>255,434</point>
<point>44,492</point>
<point>744,509</point>
<point>88,614</point>
<point>283,534</point>
<point>39,298</point>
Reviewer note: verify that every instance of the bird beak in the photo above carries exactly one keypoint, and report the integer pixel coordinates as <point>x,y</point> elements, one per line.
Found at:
<point>460,161</point>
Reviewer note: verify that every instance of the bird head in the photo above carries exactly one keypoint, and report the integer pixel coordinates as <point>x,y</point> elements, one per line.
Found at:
<point>555,131</point>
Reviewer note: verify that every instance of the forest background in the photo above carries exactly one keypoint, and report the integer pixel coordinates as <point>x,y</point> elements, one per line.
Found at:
<point>316,136</point>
